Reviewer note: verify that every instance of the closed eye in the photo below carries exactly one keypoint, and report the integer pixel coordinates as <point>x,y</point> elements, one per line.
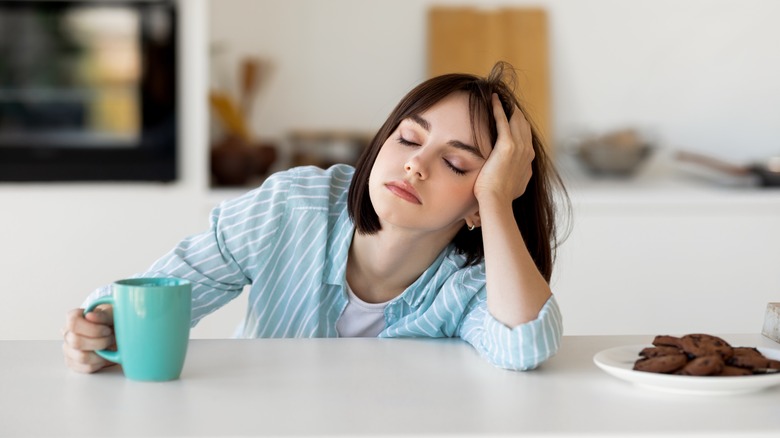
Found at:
<point>454,169</point>
<point>406,142</point>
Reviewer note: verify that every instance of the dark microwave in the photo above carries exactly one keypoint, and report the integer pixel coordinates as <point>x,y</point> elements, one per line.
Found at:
<point>88,90</point>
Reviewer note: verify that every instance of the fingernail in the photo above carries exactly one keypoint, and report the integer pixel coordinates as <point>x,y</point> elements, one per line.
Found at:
<point>106,332</point>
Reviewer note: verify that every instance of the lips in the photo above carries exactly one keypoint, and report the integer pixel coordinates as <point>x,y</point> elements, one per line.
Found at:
<point>405,191</point>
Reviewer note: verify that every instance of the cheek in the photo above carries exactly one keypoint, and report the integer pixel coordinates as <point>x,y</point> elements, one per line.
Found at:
<point>379,170</point>
<point>384,158</point>
<point>467,191</point>
<point>381,165</point>
<point>459,195</point>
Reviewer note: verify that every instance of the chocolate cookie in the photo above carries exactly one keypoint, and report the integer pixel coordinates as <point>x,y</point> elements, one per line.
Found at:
<point>729,370</point>
<point>699,354</point>
<point>699,344</point>
<point>749,362</point>
<point>704,366</point>
<point>659,351</point>
<point>666,341</point>
<point>662,364</point>
<point>747,351</point>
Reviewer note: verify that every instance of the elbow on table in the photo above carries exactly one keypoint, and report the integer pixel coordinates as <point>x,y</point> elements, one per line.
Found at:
<point>521,354</point>
<point>526,364</point>
<point>526,346</point>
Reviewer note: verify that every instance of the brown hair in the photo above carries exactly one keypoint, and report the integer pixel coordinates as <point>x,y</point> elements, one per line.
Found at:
<point>534,211</point>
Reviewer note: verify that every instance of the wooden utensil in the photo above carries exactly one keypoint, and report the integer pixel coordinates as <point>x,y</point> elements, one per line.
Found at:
<point>231,117</point>
<point>766,173</point>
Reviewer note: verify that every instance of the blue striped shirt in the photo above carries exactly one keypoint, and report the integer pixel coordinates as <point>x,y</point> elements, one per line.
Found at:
<point>289,240</point>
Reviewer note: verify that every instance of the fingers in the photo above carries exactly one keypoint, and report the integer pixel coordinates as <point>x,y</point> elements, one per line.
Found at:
<point>514,145</point>
<point>83,361</point>
<point>94,324</point>
<point>520,127</point>
<point>86,343</point>
<point>502,124</point>
<point>517,128</point>
<point>83,335</point>
<point>102,314</point>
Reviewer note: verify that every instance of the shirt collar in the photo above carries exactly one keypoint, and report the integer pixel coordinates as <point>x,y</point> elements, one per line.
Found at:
<point>339,242</point>
<point>415,293</point>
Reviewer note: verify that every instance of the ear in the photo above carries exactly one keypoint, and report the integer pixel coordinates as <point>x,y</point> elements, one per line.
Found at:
<point>474,219</point>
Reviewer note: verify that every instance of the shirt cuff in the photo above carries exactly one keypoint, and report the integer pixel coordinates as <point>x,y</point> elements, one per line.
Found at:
<point>527,345</point>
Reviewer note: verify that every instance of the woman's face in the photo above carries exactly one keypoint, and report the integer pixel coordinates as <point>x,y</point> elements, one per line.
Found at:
<point>423,178</point>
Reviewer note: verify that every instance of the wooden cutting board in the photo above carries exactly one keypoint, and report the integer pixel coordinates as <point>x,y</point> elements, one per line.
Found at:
<point>470,40</point>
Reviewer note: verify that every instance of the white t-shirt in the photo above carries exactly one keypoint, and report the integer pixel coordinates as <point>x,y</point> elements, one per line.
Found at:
<point>361,319</point>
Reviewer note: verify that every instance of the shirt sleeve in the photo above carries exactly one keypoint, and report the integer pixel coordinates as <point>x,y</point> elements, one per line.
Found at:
<point>523,347</point>
<point>220,261</point>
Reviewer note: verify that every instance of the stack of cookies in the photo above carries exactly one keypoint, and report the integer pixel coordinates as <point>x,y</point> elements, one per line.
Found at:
<point>702,355</point>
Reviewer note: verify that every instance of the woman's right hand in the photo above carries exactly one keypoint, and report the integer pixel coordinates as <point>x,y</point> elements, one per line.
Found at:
<point>83,334</point>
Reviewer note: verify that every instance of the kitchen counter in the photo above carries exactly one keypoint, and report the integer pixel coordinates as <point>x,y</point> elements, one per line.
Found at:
<point>365,387</point>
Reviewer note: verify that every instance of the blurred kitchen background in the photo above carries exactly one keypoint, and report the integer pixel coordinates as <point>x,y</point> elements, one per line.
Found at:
<point>662,116</point>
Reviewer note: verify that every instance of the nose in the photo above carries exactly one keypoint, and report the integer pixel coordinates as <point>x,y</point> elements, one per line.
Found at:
<point>416,166</point>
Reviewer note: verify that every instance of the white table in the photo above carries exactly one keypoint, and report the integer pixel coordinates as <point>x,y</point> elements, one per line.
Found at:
<point>362,387</point>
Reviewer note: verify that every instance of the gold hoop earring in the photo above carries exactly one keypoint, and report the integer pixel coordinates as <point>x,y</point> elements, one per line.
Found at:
<point>472,227</point>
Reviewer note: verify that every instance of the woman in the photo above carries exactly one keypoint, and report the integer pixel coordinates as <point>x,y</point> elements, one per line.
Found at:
<point>444,228</point>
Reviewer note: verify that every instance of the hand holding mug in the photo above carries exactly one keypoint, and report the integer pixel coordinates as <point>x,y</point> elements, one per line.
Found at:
<point>83,334</point>
<point>151,318</point>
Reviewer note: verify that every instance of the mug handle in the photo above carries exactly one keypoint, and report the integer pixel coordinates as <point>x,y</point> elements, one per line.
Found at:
<point>113,356</point>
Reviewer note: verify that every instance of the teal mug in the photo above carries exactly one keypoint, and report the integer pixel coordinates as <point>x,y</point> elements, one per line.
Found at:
<point>151,325</point>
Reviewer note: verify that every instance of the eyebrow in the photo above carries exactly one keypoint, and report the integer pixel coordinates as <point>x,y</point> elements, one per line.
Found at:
<point>416,118</point>
<point>424,124</point>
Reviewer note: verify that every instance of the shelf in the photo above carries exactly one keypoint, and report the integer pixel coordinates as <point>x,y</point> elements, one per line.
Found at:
<point>664,182</point>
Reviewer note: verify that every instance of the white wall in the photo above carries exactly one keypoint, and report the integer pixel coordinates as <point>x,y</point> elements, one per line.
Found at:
<point>702,72</point>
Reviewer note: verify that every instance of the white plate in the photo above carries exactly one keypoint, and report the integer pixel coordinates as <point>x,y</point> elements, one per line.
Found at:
<point>619,362</point>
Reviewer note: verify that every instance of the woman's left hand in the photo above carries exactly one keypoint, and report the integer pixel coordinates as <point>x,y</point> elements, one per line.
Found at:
<point>507,171</point>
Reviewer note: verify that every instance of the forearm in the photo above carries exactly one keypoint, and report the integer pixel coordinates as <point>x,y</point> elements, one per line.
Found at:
<point>516,290</point>
<point>523,347</point>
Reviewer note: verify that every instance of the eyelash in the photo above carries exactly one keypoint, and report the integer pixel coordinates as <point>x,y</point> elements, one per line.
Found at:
<point>454,169</point>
